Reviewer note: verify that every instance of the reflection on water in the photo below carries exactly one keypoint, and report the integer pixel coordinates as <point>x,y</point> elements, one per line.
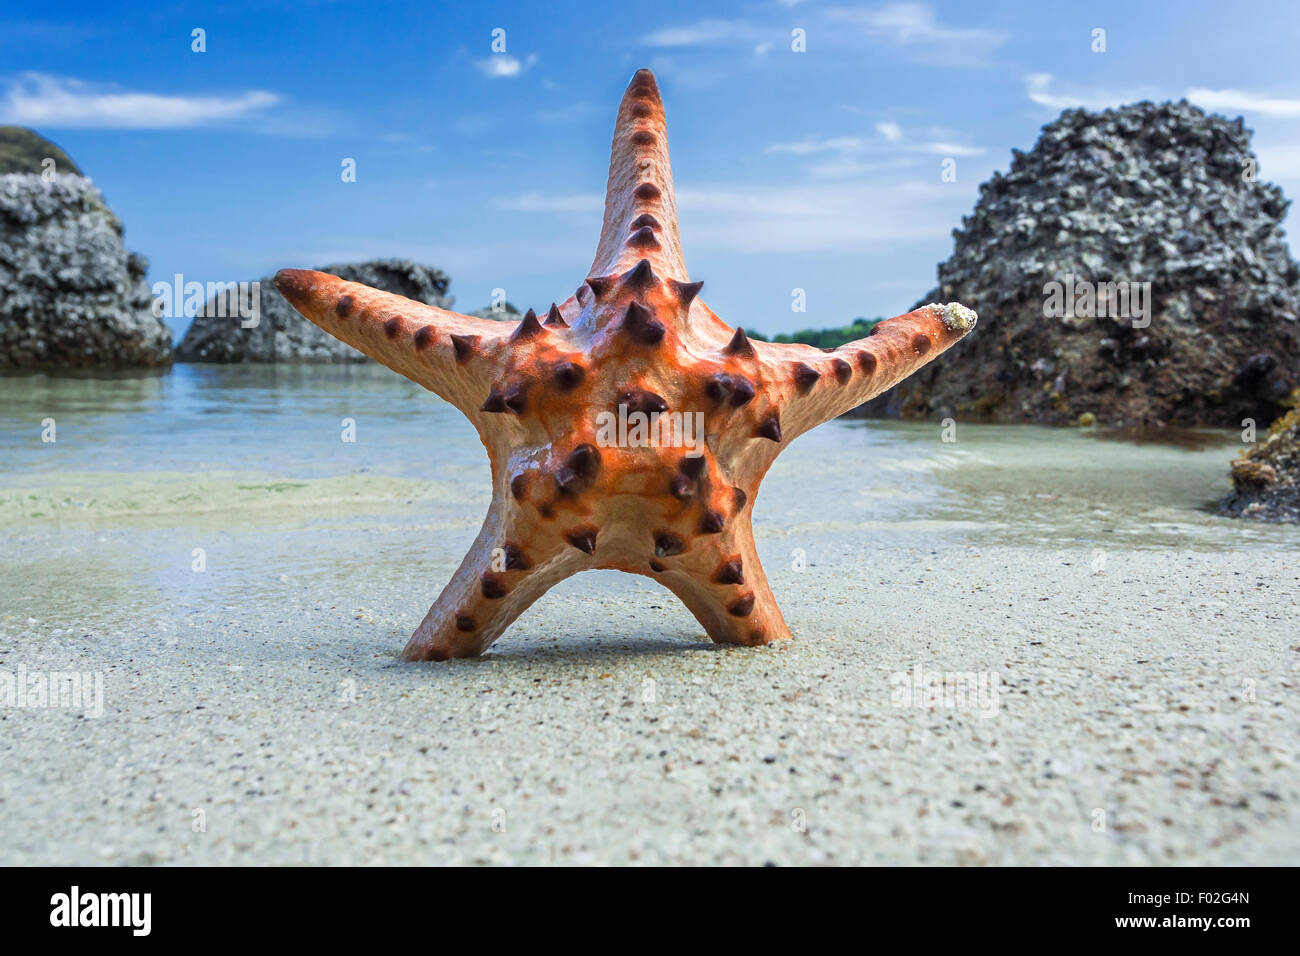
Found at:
<point>269,418</point>
<point>251,461</point>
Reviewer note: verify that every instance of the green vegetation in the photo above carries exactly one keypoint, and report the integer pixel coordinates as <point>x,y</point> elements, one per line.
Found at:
<point>823,338</point>
<point>21,151</point>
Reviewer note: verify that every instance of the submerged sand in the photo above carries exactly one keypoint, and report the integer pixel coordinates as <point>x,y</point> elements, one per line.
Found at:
<point>1134,660</point>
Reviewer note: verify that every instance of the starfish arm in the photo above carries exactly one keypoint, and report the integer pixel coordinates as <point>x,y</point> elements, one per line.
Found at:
<point>640,202</point>
<point>443,351</point>
<point>504,572</point>
<point>817,386</point>
<point>721,582</point>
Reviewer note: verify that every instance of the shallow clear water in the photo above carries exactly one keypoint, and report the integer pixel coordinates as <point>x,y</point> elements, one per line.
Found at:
<point>249,464</point>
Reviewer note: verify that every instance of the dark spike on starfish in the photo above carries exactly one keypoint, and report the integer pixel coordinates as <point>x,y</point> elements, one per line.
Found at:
<point>742,392</point>
<point>743,606</point>
<point>771,428</point>
<point>712,522</point>
<point>584,539</point>
<point>516,398</point>
<point>585,460</point>
<point>554,318</point>
<point>492,587</point>
<point>463,346</point>
<point>641,400</point>
<point>528,327</point>
<point>495,402</point>
<point>687,291</point>
<point>643,238</point>
<point>668,544</point>
<point>805,377</point>
<point>692,465</point>
<point>645,505</point>
<point>640,323</point>
<point>842,369</point>
<point>600,285</point>
<point>640,277</point>
<point>568,375</point>
<point>718,388</point>
<point>739,344</point>
<point>731,571</point>
<point>514,559</point>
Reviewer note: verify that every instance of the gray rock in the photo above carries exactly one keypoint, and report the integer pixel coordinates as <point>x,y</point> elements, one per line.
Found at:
<point>507,313</point>
<point>282,335</point>
<point>1144,193</point>
<point>1266,479</point>
<point>72,296</point>
<point>25,151</point>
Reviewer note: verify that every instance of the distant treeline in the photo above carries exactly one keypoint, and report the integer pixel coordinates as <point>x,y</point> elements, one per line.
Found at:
<point>823,338</point>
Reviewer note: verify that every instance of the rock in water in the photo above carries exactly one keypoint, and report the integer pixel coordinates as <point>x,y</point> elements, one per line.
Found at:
<point>1266,480</point>
<point>506,313</point>
<point>282,335</point>
<point>1160,194</point>
<point>25,151</point>
<point>71,296</point>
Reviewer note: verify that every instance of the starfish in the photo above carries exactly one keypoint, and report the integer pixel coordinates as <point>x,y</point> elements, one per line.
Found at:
<point>569,491</point>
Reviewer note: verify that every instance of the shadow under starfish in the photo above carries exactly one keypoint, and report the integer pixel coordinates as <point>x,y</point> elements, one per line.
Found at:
<point>635,334</point>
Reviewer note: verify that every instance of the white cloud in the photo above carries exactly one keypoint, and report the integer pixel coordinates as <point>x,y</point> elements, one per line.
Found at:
<point>810,147</point>
<point>832,216</point>
<point>504,66</point>
<point>914,27</point>
<point>537,202</point>
<point>703,33</point>
<point>845,146</point>
<point>1238,101</point>
<point>792,218</point>
<point>38,99</point>
<point>1038,88</point>
<point>950,149</point>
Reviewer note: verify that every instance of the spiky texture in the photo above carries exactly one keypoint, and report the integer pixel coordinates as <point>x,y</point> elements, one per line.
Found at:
<point>635,334</point>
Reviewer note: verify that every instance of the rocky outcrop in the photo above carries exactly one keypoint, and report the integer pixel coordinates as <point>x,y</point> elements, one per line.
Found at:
<point>1130,267</point>
<point>71,296</point>
<point>25,151</point>
<point>223,333</point>
<point>506,313</point>
<point>1266,479</point>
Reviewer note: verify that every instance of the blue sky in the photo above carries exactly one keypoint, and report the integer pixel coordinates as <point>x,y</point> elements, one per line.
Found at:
<point>818,170</point>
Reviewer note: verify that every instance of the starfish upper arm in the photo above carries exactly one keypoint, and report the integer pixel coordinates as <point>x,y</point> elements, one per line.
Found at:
<point>820,385</point>
<point>437,349</point>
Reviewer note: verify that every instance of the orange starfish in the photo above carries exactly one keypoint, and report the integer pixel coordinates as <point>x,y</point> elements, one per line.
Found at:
<point>592,416</point>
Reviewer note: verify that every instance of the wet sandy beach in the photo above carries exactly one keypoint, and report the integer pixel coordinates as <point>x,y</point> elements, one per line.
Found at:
<point>1133,659</point>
